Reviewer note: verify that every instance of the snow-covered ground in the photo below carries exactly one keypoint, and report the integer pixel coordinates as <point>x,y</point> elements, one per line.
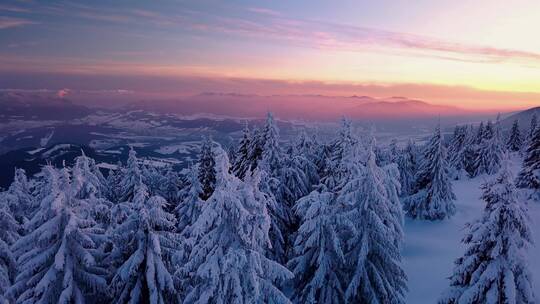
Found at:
<point>431,247</point>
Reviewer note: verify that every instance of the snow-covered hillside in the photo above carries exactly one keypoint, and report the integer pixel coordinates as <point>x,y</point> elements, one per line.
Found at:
<point>432,247</point>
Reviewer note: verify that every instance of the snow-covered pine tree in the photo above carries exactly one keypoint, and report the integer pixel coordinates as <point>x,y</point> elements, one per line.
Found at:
<point>18,198</point>
<point>131,178</point>
<point>490,151</point>
<point>433,197</point>
<point>480,133</point>
<point>340,150</point>
<point>87,180</point>
<point>114,177</point>
<point>170,188</point>
<point>145,245</point>
<point>153,178</point>
<point>456,150</point>
<point>271,153</point>
<point>494,267</point>
<point>242,162</point>
<point>470,153</point>
<point>255,148</point>
<point>293,184</point>
<point>207,170</point>
<point>89,184</point>
<point>515,142</point>
<point>533,125</point>
<point>8,235</point>
<point>189,209</point>
<point>529,176</point>
<point>488,130</point>
<point>393,151</point>
<point>228,262</point>
<point>56,258</point>
<point>530,134</point>
<point>304,145</point>
<point>407,164</point>
<point>375,274</point>
<point>318,261</point>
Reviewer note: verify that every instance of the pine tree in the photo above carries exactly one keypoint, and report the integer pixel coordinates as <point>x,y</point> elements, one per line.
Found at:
<point>271,154</point>
<point>470,153</point>
<point>170,188</point>
<point>89,184</point>
<point>374,255</point>
<point>488,130</point>
<point>433,197</point>
<point>530,134</point>
<point>456,151</point>
<point>131,179</point>
<point>255,148</point>
<point>8,235</point>
<point>407,164</point>
<point>533,125</point>
<point>529,177</point>
<point>145,245</point>
<point>494,267</point>
<point>490,151</point>
<point>340,150</point>
<point>480,133</point>
<point>56,258</point>
<point>515,142</point>
<point>242,162</point>
<point>18,198</point>
<point>189,209</point>
<point>318,255</point>
<point>228,263</point>
<point>207,170</point>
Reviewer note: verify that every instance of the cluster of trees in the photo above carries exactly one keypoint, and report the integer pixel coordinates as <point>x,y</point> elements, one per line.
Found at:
<point>267,222</point>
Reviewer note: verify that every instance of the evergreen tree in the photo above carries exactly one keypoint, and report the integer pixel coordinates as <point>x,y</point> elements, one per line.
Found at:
<point>207,170</point>
<point>190,207</point>
<point>393,151</point>
<point>89,184</point>
<point>407,164</point>
<point>228,262</point>
<point>488,130</point>
<point>456,152</point>
<point>530,134</point>
<point>374,253</point>
<point>433,197</point>
<point>480,133</point>
<point>515,142</point>
<point>470,153</point>
<point>256,145</point>
<point>8,235</point>
<point>529,177</point>
<point>18,198</point>
<point>170,188</point>
<point>318,255</point>
<point>491,149</point>
<point>131,179</point>
<point>56,258</point>
<point>494,267</point>
<point>271,153</point>
<point>533,126</point>
<point>145,245</point>
<point>242,162</point>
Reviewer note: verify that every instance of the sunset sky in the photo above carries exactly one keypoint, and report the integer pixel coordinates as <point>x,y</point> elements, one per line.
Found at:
<point>473,54</point>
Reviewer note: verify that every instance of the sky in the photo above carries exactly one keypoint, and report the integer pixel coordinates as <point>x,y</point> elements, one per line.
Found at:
<point>482,54</point>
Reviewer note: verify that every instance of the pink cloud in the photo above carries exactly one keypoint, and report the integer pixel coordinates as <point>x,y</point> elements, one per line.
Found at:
<point>63,93</point>
<point>10,22</point>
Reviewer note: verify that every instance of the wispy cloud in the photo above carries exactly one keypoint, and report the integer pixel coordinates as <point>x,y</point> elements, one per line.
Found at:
<point>264,11</point>
<point>14,9</point>
<point>10,22</point>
